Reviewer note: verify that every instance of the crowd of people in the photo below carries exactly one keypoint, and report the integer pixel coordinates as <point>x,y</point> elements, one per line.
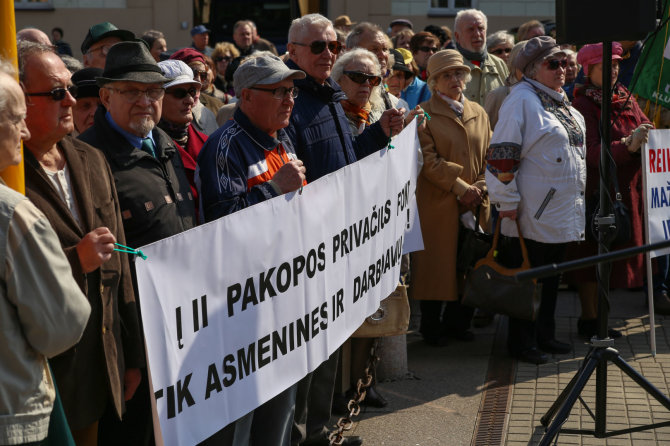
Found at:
<point>135,143</point>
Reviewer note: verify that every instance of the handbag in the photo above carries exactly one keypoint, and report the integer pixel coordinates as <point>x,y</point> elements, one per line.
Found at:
<point>492,287</point>
<point>472,245</point>
<point>390,319</point>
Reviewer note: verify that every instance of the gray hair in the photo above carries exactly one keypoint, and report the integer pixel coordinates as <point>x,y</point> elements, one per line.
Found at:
<point>239,23</point>
<point>499,38</point>
<point>354,37</point>
<point>465,13</point>
<point>27,49</point>
<point>432,82</point>
<point>71,63</point>
<point>300,27</point>
<point>352,56</point>
<point>6,70</point>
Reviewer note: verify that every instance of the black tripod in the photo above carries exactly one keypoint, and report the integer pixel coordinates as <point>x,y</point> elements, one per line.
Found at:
<point>601,351</point>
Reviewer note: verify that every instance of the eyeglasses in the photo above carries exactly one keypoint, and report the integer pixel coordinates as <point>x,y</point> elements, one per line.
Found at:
<point>361,78</point>
<point>553,64</point>
<point>103,48</point>
<point>319,46</point>
<point>180,93</point>
<point>428,49</point>
<point>57,94</point>
<point>457,74</point>
<point>499,51</point>
<point>199,74</point>
<point>134,95</point>
<point>223,58</point>
<point>279,92</point>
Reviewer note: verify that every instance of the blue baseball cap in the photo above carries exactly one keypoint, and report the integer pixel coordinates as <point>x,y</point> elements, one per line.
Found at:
<point>199,30</point>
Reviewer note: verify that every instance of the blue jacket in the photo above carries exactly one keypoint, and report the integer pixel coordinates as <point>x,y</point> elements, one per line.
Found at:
<point>415,93</point>
<point>320,131</point>
<point>235,164</point>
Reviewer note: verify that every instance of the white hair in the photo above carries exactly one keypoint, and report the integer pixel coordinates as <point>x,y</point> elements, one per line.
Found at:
<point>498,38</point>
<point>465,13</point>
<point>300,27</point>
<point>7,74</point>
<point>356,55</point>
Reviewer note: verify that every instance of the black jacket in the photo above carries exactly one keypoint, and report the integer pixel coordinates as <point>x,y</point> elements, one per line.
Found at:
<point>154,193</point>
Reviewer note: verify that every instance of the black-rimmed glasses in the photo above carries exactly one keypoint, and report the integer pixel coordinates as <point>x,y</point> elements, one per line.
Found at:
<point>361,78</point>
<point>57,94</point>
<point>279,92</point>
<point>319,46</point>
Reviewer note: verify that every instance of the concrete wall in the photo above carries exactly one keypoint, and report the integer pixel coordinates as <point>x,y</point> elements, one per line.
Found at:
<point>502,14</point>
<point>76,16</point>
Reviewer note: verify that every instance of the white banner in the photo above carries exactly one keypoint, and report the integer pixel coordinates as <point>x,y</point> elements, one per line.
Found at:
<point>237,310</point>
<point>656,171</point>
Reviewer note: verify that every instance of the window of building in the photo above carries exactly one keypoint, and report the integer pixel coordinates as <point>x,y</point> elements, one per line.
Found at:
<point>33,4</point>
<point>449,7</point>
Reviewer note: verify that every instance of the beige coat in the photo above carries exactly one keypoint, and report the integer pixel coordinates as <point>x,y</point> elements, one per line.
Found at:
<point>490,75</point>
<point>454,153</point>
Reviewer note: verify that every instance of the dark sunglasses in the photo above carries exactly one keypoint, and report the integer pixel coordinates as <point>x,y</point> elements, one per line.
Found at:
<point>361,78</point>
<point>57,94</point>
<point>223,58</point>
<point>428,49</point>
<point>499,51</point>
<point>553,64</point>
<point>319,46</point>
<point>180,93</point>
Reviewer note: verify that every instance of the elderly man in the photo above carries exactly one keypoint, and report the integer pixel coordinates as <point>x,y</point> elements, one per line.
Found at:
<point>99,39</point>
<point>264,87</point>
<point>88,98</point>
<point>33,35</point>
<point>154,192</point>
<point>321,136</point>
<point>488,71</point>
<point>71,183</point>
<point>200,36</point>
<point>42,311</point>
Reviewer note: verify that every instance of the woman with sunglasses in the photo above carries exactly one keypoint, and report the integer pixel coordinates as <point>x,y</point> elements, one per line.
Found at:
<point>500,44</point>
<point>629,131</point>
<point>536,175</point>
<point>180,95</point>
<point>450,188</point>
<point>223,54</point>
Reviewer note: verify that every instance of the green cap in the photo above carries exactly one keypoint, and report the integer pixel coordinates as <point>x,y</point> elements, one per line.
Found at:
<point>101,31</point>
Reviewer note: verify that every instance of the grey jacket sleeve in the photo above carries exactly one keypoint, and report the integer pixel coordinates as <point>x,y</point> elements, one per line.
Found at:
<point>52,310</point>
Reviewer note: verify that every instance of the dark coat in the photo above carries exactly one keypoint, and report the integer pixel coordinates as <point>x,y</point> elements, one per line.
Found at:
<point>320,131</point>
<point>627,273</point>
<point>91,373</point>
<point>154,193</point>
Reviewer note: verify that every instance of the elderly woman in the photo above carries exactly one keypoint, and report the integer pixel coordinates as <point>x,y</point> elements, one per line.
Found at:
<point>223,54</point>
<point>177,115</point>
<point>451,183</point>
<point>500,44</point>
<point>495,98</point>
<point>156,41</point>
<point>629,131</point>
<point>536,175</point>
<point>571,72</point>
<point>404,82</point>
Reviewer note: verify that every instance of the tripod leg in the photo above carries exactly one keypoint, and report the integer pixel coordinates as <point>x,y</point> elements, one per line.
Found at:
<point>546,419</point>
<point>640,380</point>
<point>580,379</point>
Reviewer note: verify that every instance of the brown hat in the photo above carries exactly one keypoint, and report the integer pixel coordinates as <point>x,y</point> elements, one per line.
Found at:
<point>537,48</point>
<point>343,20</point>
<point>444,60</point>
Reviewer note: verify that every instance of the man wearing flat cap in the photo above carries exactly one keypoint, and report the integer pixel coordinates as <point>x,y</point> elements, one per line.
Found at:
<point>200,36</point>
<point>99,39</point>
<point>71,183</point>
<point>227,182</point>
<point>154,193</point>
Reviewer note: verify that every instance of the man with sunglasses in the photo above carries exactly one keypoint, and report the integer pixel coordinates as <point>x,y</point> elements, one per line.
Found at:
<point>488,71</point>
<point>177,115</point>
<point>154,193</point>
<point>99,39</point>
<point>70,182</point>
<point>320,133</point>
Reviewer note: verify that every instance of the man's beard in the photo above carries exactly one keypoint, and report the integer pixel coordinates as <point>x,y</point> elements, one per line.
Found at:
<point>143,125</point>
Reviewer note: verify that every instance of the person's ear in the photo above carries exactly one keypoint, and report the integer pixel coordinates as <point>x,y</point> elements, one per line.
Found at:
<point>104,97</point>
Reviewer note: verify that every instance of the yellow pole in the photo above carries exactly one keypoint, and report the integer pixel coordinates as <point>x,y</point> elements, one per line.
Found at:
<point>14,175</point>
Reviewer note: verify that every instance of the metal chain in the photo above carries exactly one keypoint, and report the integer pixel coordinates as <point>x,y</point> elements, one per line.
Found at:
<point>354,406</point>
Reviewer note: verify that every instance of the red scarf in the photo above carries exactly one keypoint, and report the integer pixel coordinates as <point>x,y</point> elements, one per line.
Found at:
<point>357,114</point>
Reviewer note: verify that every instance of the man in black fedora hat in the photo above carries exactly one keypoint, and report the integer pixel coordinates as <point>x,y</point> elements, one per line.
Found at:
<point>99,39</point>
<point>153,190</point>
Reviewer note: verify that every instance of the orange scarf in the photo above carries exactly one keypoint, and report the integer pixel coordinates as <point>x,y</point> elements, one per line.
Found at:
<point>357,114</point>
